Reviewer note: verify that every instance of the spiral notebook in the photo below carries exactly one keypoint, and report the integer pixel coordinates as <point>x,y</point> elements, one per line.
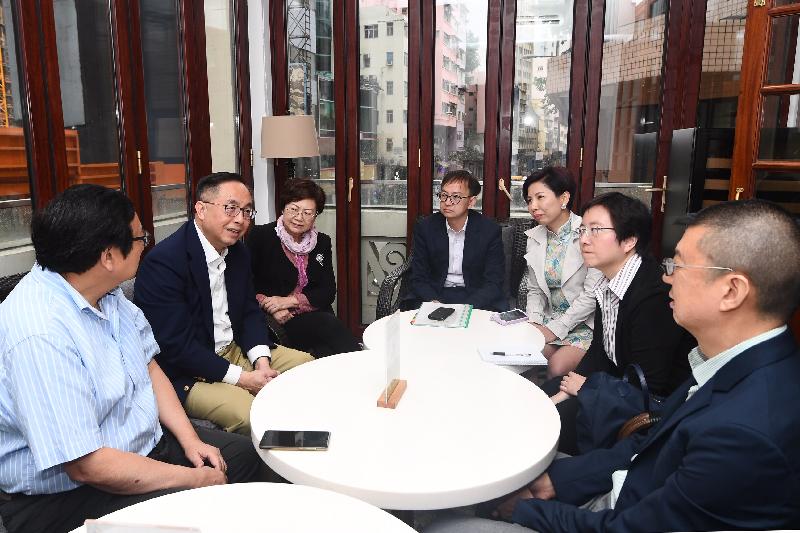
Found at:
<point>459,318</point>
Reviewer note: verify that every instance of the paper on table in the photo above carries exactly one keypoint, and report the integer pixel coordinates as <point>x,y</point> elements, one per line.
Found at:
<point>515,354</point>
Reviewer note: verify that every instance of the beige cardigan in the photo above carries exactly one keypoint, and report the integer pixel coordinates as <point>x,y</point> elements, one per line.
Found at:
<point>577,283</point>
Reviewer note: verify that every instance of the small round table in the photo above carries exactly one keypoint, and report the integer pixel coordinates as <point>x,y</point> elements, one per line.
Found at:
<point>259,507</point>
<point>464,431</point>
<point>463,341</point>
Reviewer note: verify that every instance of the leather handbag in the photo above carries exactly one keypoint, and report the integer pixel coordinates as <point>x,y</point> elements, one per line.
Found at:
<point>610,409</point>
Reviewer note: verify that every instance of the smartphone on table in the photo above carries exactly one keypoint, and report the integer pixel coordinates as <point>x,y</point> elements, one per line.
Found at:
<point>510,317</point>
<point>278,439</point>
<point>440,313</point>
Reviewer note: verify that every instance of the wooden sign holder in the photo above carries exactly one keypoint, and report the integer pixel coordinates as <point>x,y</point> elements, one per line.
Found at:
<point>391,395</point>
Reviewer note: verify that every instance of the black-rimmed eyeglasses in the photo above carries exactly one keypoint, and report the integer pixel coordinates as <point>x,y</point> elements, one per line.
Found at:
<point>669,265</point>
<point>144,237</point>
<point>455,199</point>
<point>233,210</point>
<point>593,232</point>
<point>293,211</point>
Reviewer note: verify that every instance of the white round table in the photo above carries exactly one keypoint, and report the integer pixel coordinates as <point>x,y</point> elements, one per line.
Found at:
<point>462,341</point>
<point>464,432</point>
<point>248,507</point>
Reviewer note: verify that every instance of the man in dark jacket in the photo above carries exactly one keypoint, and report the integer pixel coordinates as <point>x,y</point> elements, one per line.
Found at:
<point>196,289</point>
<point>458,253</point>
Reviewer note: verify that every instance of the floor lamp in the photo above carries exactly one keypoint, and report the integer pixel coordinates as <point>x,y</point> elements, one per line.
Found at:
<point>288,137</point>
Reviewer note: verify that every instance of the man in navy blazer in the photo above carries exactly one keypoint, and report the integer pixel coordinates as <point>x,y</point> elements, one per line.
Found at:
<point>196,290</point>
<point>458,253</point>
<point>726,453</point>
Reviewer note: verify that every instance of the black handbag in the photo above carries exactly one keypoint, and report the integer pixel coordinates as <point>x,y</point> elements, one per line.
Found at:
<point>610,409</point>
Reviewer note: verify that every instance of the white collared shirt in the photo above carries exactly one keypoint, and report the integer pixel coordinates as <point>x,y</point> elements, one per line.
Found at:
<point>223,330</point>
<point>609,293</point>
<point>455,255</point>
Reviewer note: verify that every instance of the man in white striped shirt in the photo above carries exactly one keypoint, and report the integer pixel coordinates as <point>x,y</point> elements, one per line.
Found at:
<point>88,421</point>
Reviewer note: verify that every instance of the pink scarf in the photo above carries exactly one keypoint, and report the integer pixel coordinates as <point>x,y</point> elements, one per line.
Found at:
<point>297,253</point>
<point>306,244</point>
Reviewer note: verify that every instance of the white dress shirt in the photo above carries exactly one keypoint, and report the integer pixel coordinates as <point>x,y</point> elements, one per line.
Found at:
<point>455,256</point>
<point>223,331</point>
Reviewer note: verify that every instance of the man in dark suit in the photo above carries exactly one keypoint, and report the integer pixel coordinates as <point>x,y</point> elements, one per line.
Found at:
<point>196,290</point>
<point>458,253</point>
<point>726,453</point>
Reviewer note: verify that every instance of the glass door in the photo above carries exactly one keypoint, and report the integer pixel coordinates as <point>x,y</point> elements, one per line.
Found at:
<point>630,97</point>
<point>383,158</point>
<point>767,149</point>
<point>310,67</point>
<point>164,91</point>
<point>541,105</point>
<point>459,90</point>
<point>88,92</point>
<point>15,182</point>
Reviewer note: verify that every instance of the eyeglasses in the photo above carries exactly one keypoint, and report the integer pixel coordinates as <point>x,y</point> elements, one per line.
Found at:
<point>593,232</point>
<point>669,265</point>
<point>293,211</point>
<point>454,198</point>
<point>233,210</point>
<point>144,237</point>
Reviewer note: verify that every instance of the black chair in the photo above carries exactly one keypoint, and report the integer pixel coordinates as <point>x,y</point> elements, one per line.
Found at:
<point>7,284</point>
<point>392,289</point>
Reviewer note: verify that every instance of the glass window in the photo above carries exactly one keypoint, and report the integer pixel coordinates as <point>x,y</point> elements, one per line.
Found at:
<point>220,51</point>
<point>542,65</point>
<point>630,97</point>
<point>783,66</point>
<point>460,68</point>
<point>311,58</point>
<point>166,130</point>
<point>371,31</point>
<point>719,95</point>
<point>782,188</point>
<point>389,29</point>
<point>389,88</point>
<point>780,128</point>
<point>15,189</point>
<point>88,95</point>
<point>383,165</point>
<point>366,60</point>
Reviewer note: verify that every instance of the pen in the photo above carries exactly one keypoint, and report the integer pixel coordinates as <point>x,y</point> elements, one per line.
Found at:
<point>509,354</point>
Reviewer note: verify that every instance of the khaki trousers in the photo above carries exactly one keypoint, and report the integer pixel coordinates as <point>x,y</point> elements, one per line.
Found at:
<point>227,405</point>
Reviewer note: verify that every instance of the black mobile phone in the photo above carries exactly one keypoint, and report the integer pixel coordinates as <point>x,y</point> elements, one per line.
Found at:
<point>276,439</point>
<point>440,313</point>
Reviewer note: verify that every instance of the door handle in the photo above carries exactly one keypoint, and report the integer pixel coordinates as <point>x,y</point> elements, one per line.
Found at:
<point>501,186</point>
<point>739,190</point>
<point>662,190</point>
<point>349,190</point>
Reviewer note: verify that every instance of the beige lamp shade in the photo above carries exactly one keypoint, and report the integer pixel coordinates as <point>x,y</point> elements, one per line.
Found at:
<point>289,136</point>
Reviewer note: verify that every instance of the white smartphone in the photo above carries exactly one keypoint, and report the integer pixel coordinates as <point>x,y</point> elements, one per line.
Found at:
<point>510,317</point>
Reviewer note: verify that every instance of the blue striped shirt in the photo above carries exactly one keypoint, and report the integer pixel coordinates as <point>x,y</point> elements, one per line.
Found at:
<point>73,379</point>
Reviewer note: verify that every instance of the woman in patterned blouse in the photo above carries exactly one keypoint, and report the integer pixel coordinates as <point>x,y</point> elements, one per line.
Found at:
<point>560,301</point>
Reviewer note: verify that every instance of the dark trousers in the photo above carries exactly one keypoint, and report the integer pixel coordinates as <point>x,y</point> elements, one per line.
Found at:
<point>321,334</point>
<point>65,511</point>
